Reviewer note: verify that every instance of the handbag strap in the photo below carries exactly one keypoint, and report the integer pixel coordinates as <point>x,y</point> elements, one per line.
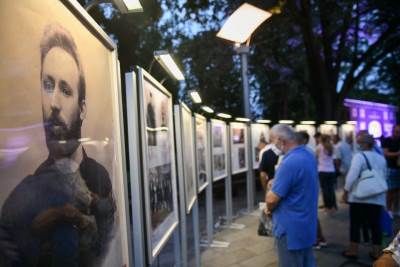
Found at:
<point>367,161</point>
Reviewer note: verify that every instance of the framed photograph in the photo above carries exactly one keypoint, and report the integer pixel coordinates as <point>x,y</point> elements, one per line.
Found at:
<point>259,133</point>
<point>185,145</point>
<point>219,149</point>
<point>311,130</point>
<point>202,159</point>
<point>328,129</point>
<point>158,159</point>
<point>63,195</point>
<point>239,157</point>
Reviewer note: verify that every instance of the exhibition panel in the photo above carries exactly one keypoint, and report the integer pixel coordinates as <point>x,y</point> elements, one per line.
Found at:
<point>259,133</point>
<point>62,154</point>
<point>328,129</point>
<point>202,158</point>
<point>185,148</point>
<point>219,149</point>
<point>239,147</point>
<point>158,161</point>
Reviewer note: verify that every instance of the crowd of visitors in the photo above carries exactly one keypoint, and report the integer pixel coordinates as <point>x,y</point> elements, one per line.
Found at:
<point>292,172</point>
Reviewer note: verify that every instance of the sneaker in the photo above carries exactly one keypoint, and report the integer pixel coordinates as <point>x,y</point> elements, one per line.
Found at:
<point>316,246</point>
<point>322,244</point>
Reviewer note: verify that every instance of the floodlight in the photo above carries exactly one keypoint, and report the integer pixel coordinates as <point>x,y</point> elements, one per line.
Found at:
<point>331,122</point>
<point>224,115</point>
<point>264,121</point>
<point>195,96</point>
<point>166,61</point>
<point>286,122</point>
<point>242,23</point>
<point>351,122</point>
<point>207,109</point>
<point>307,122</point>
<point>128,6</point>
<point>243,119</point>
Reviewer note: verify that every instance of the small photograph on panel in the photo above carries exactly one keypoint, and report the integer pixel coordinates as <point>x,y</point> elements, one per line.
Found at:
<point>242,157</point>
<point>217,136</point>
<point>219,162</point>
<point>151,121</point>
<point>238,135</point>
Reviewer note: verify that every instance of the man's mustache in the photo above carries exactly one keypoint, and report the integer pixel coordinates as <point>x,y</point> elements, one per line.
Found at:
<point>56,120</point>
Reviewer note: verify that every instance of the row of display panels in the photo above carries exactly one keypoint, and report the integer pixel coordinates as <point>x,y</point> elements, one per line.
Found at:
<point>62,147</point>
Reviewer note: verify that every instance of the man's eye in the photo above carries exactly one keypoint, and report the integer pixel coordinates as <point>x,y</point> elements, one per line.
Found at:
<point>65,89</point>
<point>48,84</point>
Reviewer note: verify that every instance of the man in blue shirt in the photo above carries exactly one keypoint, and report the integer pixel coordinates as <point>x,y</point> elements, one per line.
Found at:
<point>293,201</point>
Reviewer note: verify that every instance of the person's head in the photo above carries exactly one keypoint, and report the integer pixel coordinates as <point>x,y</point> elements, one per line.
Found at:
<point>262,143</point>
<point>336,138</point>
<point>317,138</point>
<point>63,91</point>
<point>303,137</point>
<point>396,132</point>
<point>285,137</point>
<point>365,141</point>
<point>349,138</point>
<point>326,142</point>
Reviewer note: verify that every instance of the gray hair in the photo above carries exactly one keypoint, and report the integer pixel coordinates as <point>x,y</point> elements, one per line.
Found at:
<point>284,132</point>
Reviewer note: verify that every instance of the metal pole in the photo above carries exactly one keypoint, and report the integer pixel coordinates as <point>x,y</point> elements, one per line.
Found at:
<point>196,229</point>
<point>250,173</point>
<point>228,180</point>
<point>209,191</point>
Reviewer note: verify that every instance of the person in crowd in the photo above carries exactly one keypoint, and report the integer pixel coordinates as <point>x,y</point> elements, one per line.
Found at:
<point>344,153</point>
<point>317,138</point>
<point>327,172</point>
<point>365,211</point>
<point>303,139</point>
<point>269,159</point>
<point>391,254</point>
<point>293,200</point>
<point>391,149</point>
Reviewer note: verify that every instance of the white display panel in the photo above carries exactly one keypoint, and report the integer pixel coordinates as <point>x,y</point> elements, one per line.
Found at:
<point>202,159</point>
<point>328,129</point>
<point>259,132</point>
<point>239,151</point>
<point>219,149</point>
<point>158,159</point>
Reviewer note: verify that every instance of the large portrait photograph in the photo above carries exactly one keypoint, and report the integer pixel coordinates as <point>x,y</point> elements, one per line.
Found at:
<point>239,151</point>
<point>62,189</point>
<point>219,149</point>
<point>158,162</point>
<point>311,130</point>
<point>189,171</point>
<point>259,138</point>
<point>201,151</point>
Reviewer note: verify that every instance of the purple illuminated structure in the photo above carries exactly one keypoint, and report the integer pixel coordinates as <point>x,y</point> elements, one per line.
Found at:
<point>377,118</point>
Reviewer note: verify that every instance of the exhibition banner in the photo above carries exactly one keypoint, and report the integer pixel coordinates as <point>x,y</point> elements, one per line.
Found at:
<point>259,135</point>
<point>219,149</point>
<point>239,156</point>
<point>158,159</point>
<point>201,151</point>
<point>62,185</point>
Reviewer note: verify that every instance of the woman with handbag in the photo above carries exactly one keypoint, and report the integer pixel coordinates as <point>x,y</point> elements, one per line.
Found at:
<point>365,191</point>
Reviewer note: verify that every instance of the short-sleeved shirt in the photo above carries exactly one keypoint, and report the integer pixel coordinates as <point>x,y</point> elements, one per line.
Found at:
<point>393,145</point>
<point>268,161</point>
<point>325,161</point>
<point>296,183</point>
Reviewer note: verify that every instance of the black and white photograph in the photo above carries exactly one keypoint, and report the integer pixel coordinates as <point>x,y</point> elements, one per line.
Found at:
<point>239,149</point>
<point>259,138</point>
<point>62,188</point>
<point>159,162</point>
<point>201,151</point>
<point>219,149</point>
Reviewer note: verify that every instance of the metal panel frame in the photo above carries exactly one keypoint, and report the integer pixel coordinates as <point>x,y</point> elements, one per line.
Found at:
<point>246,146</point>
<point>207,156</point>
<point>227,157</point>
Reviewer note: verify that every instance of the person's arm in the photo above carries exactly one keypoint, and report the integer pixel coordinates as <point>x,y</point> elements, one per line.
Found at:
<point>280,186</point>
<point>263,180</point>
<point>272,200</point>
<point>354,172</point>
<point>389,154</point>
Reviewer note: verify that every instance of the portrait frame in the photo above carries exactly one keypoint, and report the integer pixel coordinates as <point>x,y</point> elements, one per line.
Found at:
<point>256,130</point>
<point>239,147</point>
<point>219,149</point>
<point>80,24</point>
<point>200,124</point>
<point>185,145</point>
<point>156,240</point>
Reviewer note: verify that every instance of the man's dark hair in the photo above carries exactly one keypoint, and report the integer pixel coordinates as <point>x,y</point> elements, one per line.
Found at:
<point>303,137</point>
<point>56,36</point>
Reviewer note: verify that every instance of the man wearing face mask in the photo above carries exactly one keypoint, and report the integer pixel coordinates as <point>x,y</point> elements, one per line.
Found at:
<point>62,214</point>
<point>293,200</point>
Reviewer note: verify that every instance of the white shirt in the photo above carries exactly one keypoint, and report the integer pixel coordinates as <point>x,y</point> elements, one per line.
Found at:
<point>345,154</point>
<point>358,164</point>
<point>325,162</point>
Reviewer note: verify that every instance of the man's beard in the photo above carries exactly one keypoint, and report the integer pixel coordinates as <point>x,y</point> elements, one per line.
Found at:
<point>61,140</point>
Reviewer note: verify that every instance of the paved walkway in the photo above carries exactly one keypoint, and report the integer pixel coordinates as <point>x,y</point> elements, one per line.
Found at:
<point>248,249</point>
